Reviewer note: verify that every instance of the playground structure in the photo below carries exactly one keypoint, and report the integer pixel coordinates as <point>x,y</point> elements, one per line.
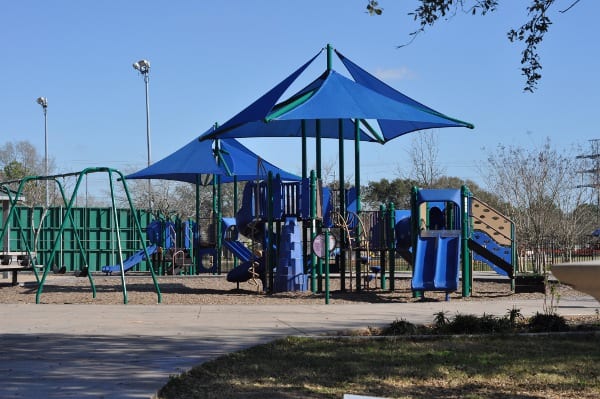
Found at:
<point>447,227</point>
<point>32,259</point>
<point>274,214</point>
<point>282,219</point>
<point>440,236</point>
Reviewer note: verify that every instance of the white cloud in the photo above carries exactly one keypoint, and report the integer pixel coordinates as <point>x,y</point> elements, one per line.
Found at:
<point>402,73</point>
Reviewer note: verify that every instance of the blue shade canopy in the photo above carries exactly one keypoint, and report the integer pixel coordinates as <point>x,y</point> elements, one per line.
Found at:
<point>258,119</point>
<point>332,98</point>
<point>291,128</point>
<point>192,163</point>
<point>246,165</point>
<point>264,104</point>
<point>196,162</point>
<point>392,128</point>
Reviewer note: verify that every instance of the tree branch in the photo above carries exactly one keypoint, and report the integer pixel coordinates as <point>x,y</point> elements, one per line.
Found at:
<point>568,8</point>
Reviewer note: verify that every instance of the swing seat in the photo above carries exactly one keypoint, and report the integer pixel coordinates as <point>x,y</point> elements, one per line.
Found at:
<point>82,273</point>
<point>61,270</point>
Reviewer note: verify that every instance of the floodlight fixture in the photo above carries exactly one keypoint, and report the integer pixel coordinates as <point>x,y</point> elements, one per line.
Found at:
<point>143,66</point>
<point>43,101</point>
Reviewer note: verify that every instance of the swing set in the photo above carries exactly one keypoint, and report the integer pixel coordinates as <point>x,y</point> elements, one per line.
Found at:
<point>30,260</point>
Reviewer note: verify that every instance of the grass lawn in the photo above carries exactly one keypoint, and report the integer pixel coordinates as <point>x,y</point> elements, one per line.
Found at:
<point>492,366</point>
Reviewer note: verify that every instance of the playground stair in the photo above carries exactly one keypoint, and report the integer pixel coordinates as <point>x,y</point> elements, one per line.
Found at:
<point>488,220</point>
<point>492,237</point>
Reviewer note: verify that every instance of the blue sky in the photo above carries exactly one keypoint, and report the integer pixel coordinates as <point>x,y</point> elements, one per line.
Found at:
<point>211,59</point>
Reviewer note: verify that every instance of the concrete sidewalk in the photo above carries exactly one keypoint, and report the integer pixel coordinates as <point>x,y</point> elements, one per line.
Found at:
<point>129,351</point>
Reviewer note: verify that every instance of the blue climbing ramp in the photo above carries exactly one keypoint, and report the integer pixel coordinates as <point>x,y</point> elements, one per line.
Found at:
<point>131,261</point>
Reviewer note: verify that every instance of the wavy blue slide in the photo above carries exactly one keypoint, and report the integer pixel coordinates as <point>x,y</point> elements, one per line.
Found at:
<point>131,261</point>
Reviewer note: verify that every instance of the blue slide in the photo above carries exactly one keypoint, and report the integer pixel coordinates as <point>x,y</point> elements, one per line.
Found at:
<point>239,250</point>
<point>425,262</point>
<point>131,261</point>
<point>437,263</point>
<point>447,265</point>
<point>243,272</point>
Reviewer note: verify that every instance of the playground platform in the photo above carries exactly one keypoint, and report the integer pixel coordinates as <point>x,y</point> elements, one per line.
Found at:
<point>129,351</point>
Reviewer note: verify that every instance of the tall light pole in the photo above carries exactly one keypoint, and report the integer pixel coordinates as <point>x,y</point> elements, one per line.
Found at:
<point>43,101</point>
<point>143,66</point>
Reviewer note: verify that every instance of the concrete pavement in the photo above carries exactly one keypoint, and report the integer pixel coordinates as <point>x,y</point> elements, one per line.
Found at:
<point>129,351</point>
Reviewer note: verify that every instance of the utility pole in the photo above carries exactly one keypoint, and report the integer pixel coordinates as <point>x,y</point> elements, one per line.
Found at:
<point>594,172</point>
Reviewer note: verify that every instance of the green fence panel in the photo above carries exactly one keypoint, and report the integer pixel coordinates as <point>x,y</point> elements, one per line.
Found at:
<point>95,228</point>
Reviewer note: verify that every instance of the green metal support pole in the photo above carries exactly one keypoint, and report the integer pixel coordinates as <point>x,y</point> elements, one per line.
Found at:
<point>196,239</point>
<point>358,204</point>
<point>304,150</point>
<point>235,210</point>
<point>139,234</point>
<point>383,252</point>
<point>219,227</point>
<point>270,261</point>
<point>318,148</point>
<point>329,57</point>
<point>319,264</point>
<point>465,232</point>
<point>116,222</point>
<point>56,244</point>
<point>305,243</point>
<point>513,255</point>
<point>313,229</point>
<point>392,245</point>
<point>342,201</point>
<point>327,266</point>
<point>12,214</point>
<point>415,221</point>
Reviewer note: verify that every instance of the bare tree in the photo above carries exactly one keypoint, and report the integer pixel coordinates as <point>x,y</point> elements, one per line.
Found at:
<point>19,160</point>
<point>539,184</point>
<point>178,199</point>
<point>423,154</point>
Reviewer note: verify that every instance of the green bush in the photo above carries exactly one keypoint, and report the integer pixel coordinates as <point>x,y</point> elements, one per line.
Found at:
<point>401,327</point>
<point>464,324</point>
<point>547,322</point>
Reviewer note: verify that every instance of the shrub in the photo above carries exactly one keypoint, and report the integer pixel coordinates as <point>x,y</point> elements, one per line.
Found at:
<point>401,327</point>
<point>463,324</point>
<point>547,322</point>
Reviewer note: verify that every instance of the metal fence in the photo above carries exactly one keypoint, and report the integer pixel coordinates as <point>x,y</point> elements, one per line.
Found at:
<point>95,228</point>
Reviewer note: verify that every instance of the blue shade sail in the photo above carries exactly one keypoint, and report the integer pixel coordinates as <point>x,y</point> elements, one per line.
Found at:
<point>196,162</point>
<point>261,107</point>
<point>392,128</point>
<point>330,98</point>
<point>191,163</point>
<point>245,165</point>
